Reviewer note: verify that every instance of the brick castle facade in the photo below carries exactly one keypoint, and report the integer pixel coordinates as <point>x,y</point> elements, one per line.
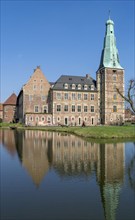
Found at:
<point>76,100</point>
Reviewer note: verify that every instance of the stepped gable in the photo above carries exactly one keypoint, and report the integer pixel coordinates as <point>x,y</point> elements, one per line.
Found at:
<point>37,79</point>
<point>70,80</point>
<point>11,100</point>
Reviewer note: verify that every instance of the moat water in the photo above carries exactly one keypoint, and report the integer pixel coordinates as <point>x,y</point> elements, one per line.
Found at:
<point>55,176</point>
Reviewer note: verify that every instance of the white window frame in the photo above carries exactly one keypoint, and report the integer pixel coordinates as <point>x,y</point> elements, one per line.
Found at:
<point>35,108</point>
<point>85,96</point>
<point>57,108</point>
<point>65,86</point>
<point>58,96</point>
<point>85,87</point>
<point>92,108</point>
<point>72,108</point>
<point>73,86</point>
<point>92,97</point>
<point>66,108</point>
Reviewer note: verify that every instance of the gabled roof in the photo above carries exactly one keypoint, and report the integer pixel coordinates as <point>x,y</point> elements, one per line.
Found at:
<point>70,80</point>
<point>11,100</point>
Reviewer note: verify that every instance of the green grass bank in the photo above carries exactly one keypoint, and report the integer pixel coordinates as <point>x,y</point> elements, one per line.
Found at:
<point>97,132</point>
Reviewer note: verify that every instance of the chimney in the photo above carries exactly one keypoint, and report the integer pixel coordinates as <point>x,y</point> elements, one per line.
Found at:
<point>88,76</point>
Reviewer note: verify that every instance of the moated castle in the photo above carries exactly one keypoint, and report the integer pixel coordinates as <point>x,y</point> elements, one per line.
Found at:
<point>73,100</point>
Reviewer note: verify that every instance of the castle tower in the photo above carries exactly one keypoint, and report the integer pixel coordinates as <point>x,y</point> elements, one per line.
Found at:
<point>110,75</point>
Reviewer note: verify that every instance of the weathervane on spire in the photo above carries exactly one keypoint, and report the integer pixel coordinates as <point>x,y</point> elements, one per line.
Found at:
<point>109,14</point>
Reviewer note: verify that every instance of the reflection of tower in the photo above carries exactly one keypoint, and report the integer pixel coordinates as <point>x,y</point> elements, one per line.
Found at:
<point>110,174</point>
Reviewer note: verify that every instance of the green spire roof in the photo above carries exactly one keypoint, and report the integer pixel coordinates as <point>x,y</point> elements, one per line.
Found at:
<point>109,57</point>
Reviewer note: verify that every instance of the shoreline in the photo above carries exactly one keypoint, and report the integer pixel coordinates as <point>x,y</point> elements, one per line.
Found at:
<point>93,132</point>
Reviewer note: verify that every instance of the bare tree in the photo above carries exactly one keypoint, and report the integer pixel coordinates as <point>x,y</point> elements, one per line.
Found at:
<point>130,97</point>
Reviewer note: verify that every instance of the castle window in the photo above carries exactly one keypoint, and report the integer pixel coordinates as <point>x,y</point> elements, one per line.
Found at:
<point>42,118</point>
<point>66,95</point>
<point>58,96</point>
<point>58,108</point>
<point>92,87</point>
<point>30,118</point>
<point>66,86</point>
<point>114,96</point>
<point>45,109</point>
<point>85,108</point>
<point>92,108</point>
<point>66,108</point>
<point>73,86</point>
<point>58,119</point>
<point>85,87</point>
<point>79,86</point>
<point>37,118</point>
<point>43,97</point>
<point>79,108</point>
<point>34,87</point>
<point>85,96</point>
<point>73,108</point>
<point>73,96</point>
<point>36,108</point>
<point>49,120</point>
<point>41,87</point>
<point>114,108</point>
<point>79,96</point>
<point>30,97</point>
<point>92,96</point>
<point>114,77</point>
<point>114,86</point>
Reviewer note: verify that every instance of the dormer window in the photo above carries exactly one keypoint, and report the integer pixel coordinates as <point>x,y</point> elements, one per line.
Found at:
<point>92,87</point>
<point>79,86</point>
<point>85,87</point>
<point>65,86</point>
<point>73,86</point>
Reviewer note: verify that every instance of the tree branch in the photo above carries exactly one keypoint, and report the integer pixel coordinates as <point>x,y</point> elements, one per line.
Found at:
<point>129,97</point>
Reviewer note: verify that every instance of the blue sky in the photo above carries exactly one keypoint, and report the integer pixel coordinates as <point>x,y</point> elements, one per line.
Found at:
<point>63,37</point>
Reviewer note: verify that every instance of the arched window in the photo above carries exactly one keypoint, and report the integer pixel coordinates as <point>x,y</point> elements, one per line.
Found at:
<point>92,87</point>
<point>114,108</point>
<point>48,119</point>
<point>114,77</point>
<point>79,86</point>
<point>85,87</point>
<point>66,86</point>
<point>73,86</point>
<point>114,96</point>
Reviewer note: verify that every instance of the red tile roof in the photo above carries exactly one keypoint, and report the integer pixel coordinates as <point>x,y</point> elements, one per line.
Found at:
<point>11,100</point>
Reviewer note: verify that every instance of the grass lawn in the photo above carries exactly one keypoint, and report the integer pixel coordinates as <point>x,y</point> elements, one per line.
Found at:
<point>88,132</point>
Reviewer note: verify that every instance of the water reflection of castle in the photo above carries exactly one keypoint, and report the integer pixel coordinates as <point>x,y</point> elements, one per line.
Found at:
<point>73,156</point>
